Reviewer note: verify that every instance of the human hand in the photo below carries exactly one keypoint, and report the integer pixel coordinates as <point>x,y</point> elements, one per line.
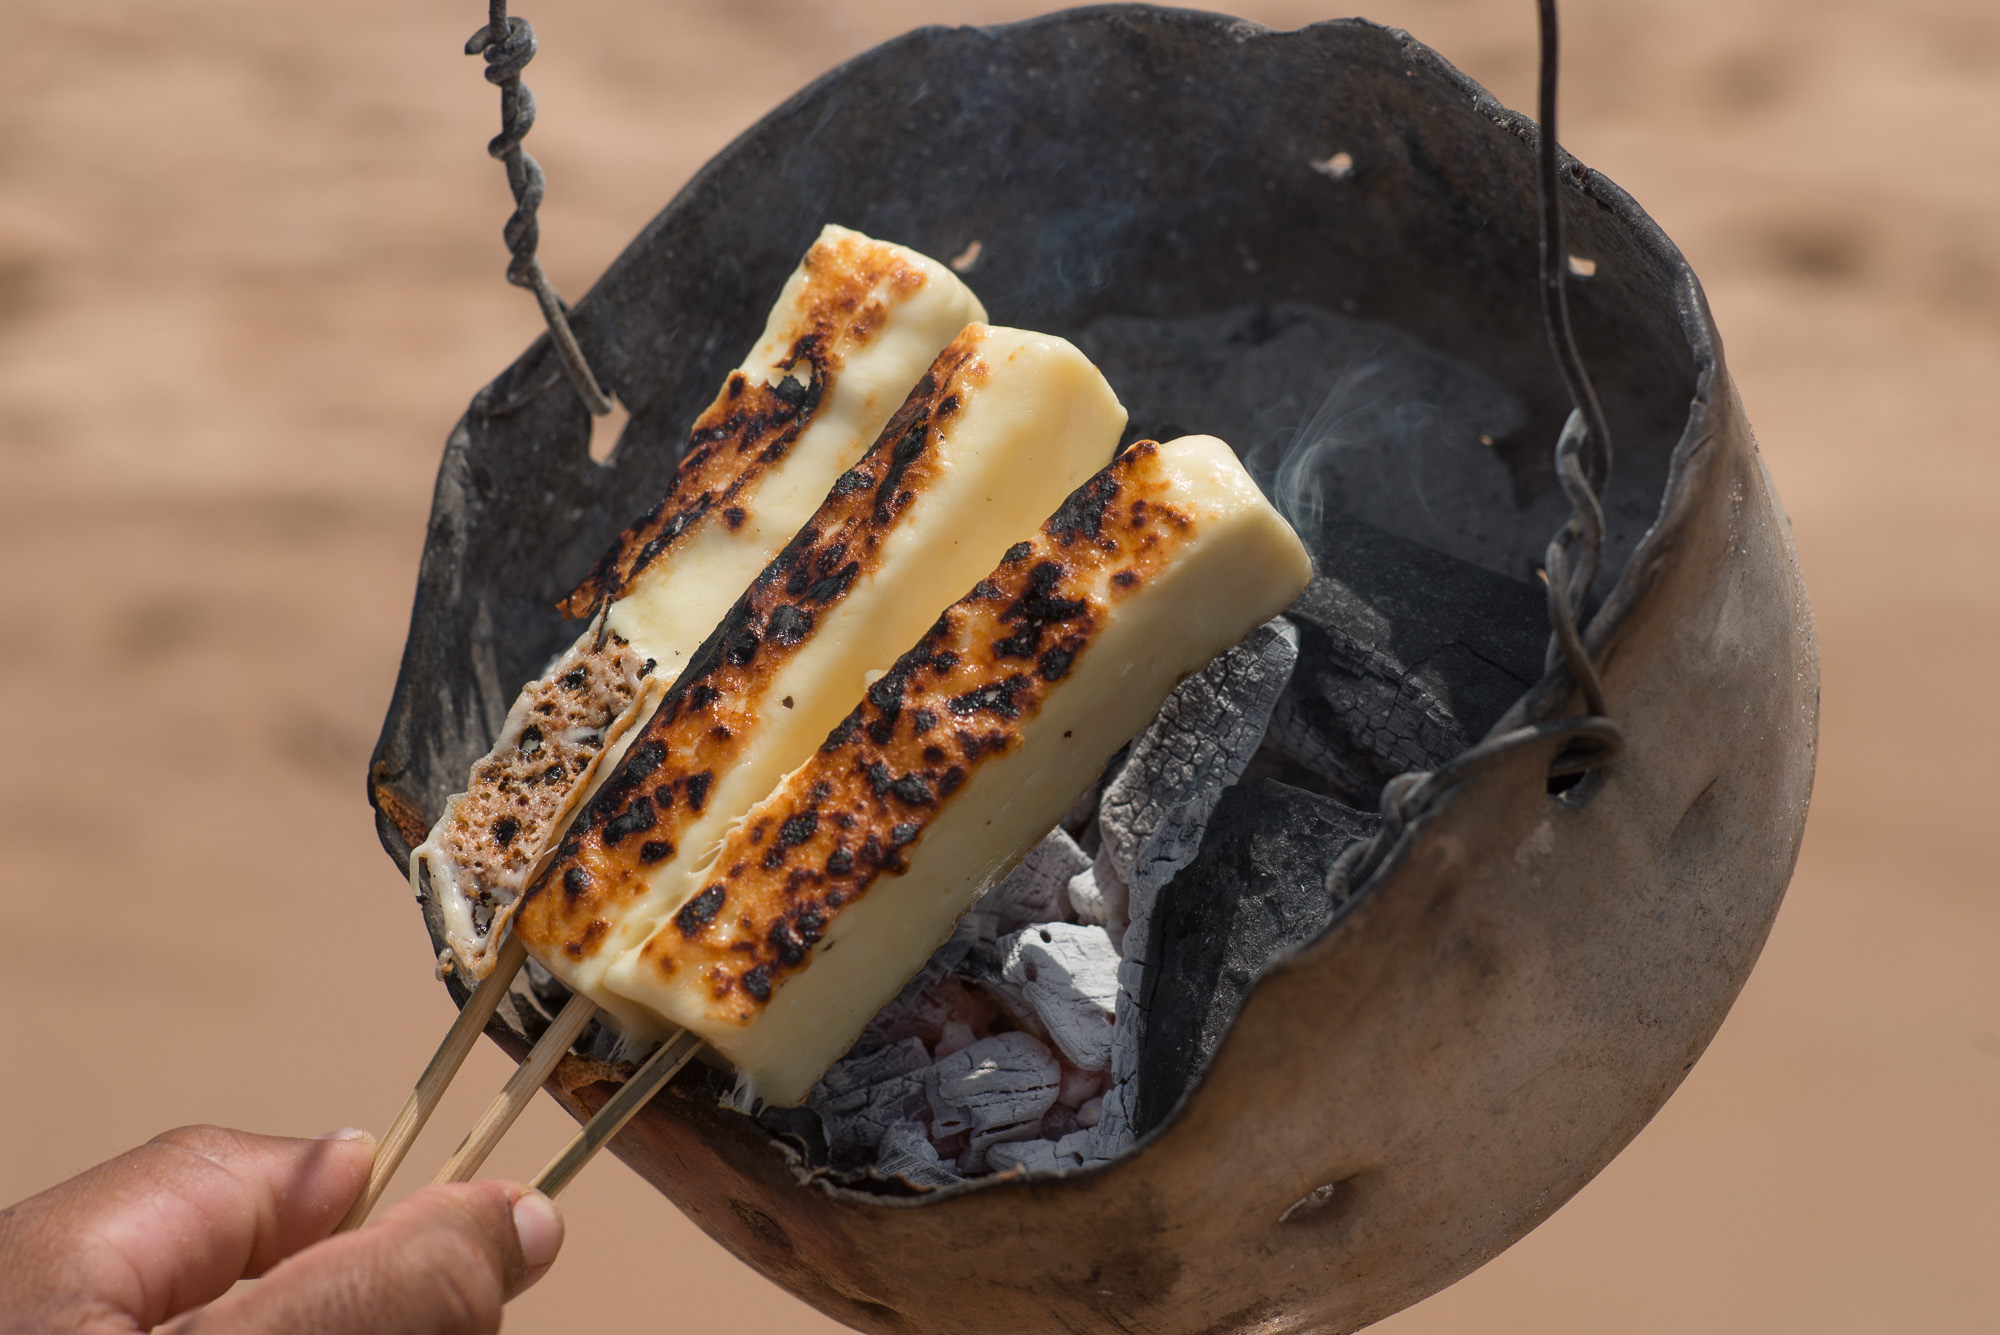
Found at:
<point>166,1229</point>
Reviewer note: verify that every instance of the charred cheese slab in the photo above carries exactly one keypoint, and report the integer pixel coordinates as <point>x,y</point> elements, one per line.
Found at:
<point>1002,427</point>
<point>835,889</point>
<point>854,327</point>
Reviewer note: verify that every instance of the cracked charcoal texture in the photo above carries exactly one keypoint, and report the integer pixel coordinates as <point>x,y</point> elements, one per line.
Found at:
<point>1035,891</point>
<point>1406,657</point>
<point>860,1099</point>
<point>997,1089</point>
<point>1152,813</point>
<point>1256,889</point>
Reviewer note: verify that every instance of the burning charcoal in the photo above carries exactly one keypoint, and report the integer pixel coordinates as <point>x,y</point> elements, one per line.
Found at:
<point>1033,892</point>
<point>1041,1156</point>
<point>860,1098</point>
<point>1069,974</point>
<point>1406,657</point>
<point>1257,889</point>
<point>997,1090</point>
<point>906,1152</point>
<point>1153,812</point>
<point>925,1012</point>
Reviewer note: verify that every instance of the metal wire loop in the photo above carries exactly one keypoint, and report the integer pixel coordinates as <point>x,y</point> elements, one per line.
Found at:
<point>508,45</point>
<point>1582,463</point>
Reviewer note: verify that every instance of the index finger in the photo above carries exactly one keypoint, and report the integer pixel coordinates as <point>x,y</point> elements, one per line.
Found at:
<point>174,1223</point>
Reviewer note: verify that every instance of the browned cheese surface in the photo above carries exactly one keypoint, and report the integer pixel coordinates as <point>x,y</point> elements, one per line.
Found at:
<point>918,739</point>
<point>711,713</point>
<point>516,792</point>
<point>751,426</point>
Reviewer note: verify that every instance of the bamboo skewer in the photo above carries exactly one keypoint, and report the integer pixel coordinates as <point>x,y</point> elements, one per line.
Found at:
<point>519,1092</point>
<point>648,1080</point>
<point>437,1076</point>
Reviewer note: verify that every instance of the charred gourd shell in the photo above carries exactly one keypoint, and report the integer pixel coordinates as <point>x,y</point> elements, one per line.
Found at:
<point>1527,976</point>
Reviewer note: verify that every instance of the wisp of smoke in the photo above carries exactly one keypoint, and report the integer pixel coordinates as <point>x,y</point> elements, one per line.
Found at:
<point>1373,418</point>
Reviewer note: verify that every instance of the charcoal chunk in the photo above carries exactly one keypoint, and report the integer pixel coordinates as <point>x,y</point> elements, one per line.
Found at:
<point>1256,888</point>
<point>1406,657</point>
<point>997,1090</point>
<point>863,1096</point>
<point>1069,975</point>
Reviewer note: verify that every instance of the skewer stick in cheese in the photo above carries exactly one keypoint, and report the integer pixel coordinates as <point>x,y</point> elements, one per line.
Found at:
<point>665,1063</point>
<point>853,329</point>
<point>834,890</point>
<point>431,1085</point>
<point>1003,426</point>
<point>519,1092</point>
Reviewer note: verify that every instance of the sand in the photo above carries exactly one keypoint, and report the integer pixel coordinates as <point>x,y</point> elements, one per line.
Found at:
<point>250,272</point>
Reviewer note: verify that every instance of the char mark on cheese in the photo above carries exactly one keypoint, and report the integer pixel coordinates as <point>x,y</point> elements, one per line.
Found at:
<point>850,814</point>
<point>709,713</point>
<point>751,426</point>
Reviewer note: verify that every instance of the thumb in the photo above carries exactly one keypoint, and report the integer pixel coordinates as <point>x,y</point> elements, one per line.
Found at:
<point>441,1262</point>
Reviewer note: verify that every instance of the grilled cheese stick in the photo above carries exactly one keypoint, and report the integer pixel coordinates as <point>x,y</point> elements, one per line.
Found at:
<point>855,326</point>
<point>1004,425</point>
<point>836,888</point>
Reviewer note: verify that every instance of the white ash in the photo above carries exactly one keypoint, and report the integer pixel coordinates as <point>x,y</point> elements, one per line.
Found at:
<point>860,1099</point>
<point>994,1091</point>
<point>1052,957</point>
<point>1098,895</point>
<point>906,1151</point>
<point>1068,974</point>
<point>1034,892</point>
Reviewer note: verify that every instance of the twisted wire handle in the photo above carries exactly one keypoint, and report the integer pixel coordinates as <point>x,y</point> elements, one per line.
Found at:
<point>1583,462</point>
<point>508,45</point>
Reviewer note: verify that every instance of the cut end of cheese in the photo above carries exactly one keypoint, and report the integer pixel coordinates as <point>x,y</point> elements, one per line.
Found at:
<point>834,890</point>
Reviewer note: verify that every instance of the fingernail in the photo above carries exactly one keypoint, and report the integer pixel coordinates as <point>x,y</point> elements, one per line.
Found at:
<point>539,1226</point>
<point>346,1133</point>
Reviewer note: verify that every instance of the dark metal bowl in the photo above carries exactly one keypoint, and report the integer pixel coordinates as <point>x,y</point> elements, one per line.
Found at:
<point>1527,976</point>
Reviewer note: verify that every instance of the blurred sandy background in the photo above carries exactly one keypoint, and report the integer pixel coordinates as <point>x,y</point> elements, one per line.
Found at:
<point>250,271</point>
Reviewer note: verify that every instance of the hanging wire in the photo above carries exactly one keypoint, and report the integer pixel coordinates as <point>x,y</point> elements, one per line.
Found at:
<point>1582,462</point>
<point>508,45</point>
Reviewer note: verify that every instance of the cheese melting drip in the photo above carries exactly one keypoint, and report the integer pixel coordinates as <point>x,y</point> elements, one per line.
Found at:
<point>854,327</point>
<point>836,888</point>
<point>1004,425</point>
